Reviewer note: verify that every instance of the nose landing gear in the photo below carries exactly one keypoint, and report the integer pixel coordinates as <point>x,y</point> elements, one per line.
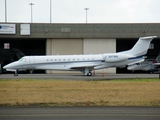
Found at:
<point>16,73</point>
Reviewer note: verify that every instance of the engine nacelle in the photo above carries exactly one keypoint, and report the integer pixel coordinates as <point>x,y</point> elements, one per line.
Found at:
<point>115,57</point>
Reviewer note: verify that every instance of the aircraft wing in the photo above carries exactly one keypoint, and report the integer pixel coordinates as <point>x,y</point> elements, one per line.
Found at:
<point>86,65</point>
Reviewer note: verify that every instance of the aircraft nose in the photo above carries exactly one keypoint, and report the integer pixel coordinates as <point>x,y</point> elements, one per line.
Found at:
<point>10,66</point>
<point>7,66</point>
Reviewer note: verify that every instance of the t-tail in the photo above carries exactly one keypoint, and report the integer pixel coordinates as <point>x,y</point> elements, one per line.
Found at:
<point>141,47</point>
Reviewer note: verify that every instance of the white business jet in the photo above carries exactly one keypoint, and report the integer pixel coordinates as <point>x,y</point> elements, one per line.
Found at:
<point>147,65</point>
<point>83,63</point>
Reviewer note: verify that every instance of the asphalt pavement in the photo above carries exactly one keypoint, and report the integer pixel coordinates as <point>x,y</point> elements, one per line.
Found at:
<point>79,76</point>
<point>79,113</point>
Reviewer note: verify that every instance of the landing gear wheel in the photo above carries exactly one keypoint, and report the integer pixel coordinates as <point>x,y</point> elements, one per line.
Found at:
<point>89,74</point>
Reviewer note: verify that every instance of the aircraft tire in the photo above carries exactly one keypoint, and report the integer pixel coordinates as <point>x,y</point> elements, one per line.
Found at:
<point>89,74</point>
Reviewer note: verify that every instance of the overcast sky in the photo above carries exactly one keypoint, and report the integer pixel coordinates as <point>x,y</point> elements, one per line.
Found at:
<point>72,11</point>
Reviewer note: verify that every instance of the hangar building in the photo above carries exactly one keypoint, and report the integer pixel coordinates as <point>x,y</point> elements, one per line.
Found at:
<point>62,39</point>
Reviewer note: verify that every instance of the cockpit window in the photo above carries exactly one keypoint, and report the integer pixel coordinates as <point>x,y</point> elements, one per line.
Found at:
<point>22,60</point>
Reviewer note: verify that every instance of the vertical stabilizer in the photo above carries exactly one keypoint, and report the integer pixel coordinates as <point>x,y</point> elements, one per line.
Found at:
<point>141,47</point>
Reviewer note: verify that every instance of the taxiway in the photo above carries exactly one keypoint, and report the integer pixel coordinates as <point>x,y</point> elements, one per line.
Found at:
<point>79,76</point>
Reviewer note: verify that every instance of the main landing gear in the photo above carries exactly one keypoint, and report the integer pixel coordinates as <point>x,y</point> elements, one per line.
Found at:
<point>89,74</point>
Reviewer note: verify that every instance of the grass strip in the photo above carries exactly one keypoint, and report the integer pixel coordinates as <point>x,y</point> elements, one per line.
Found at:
<point>128,92</point>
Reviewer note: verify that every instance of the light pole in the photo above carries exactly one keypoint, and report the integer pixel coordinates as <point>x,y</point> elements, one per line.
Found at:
<point>5,11</point>
<point>31,11</point>
<point>50,11</point>
<point>86,13</point>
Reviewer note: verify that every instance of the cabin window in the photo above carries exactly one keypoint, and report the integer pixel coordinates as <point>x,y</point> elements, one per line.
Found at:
<point>55,60</point>
<point>47,60</point>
